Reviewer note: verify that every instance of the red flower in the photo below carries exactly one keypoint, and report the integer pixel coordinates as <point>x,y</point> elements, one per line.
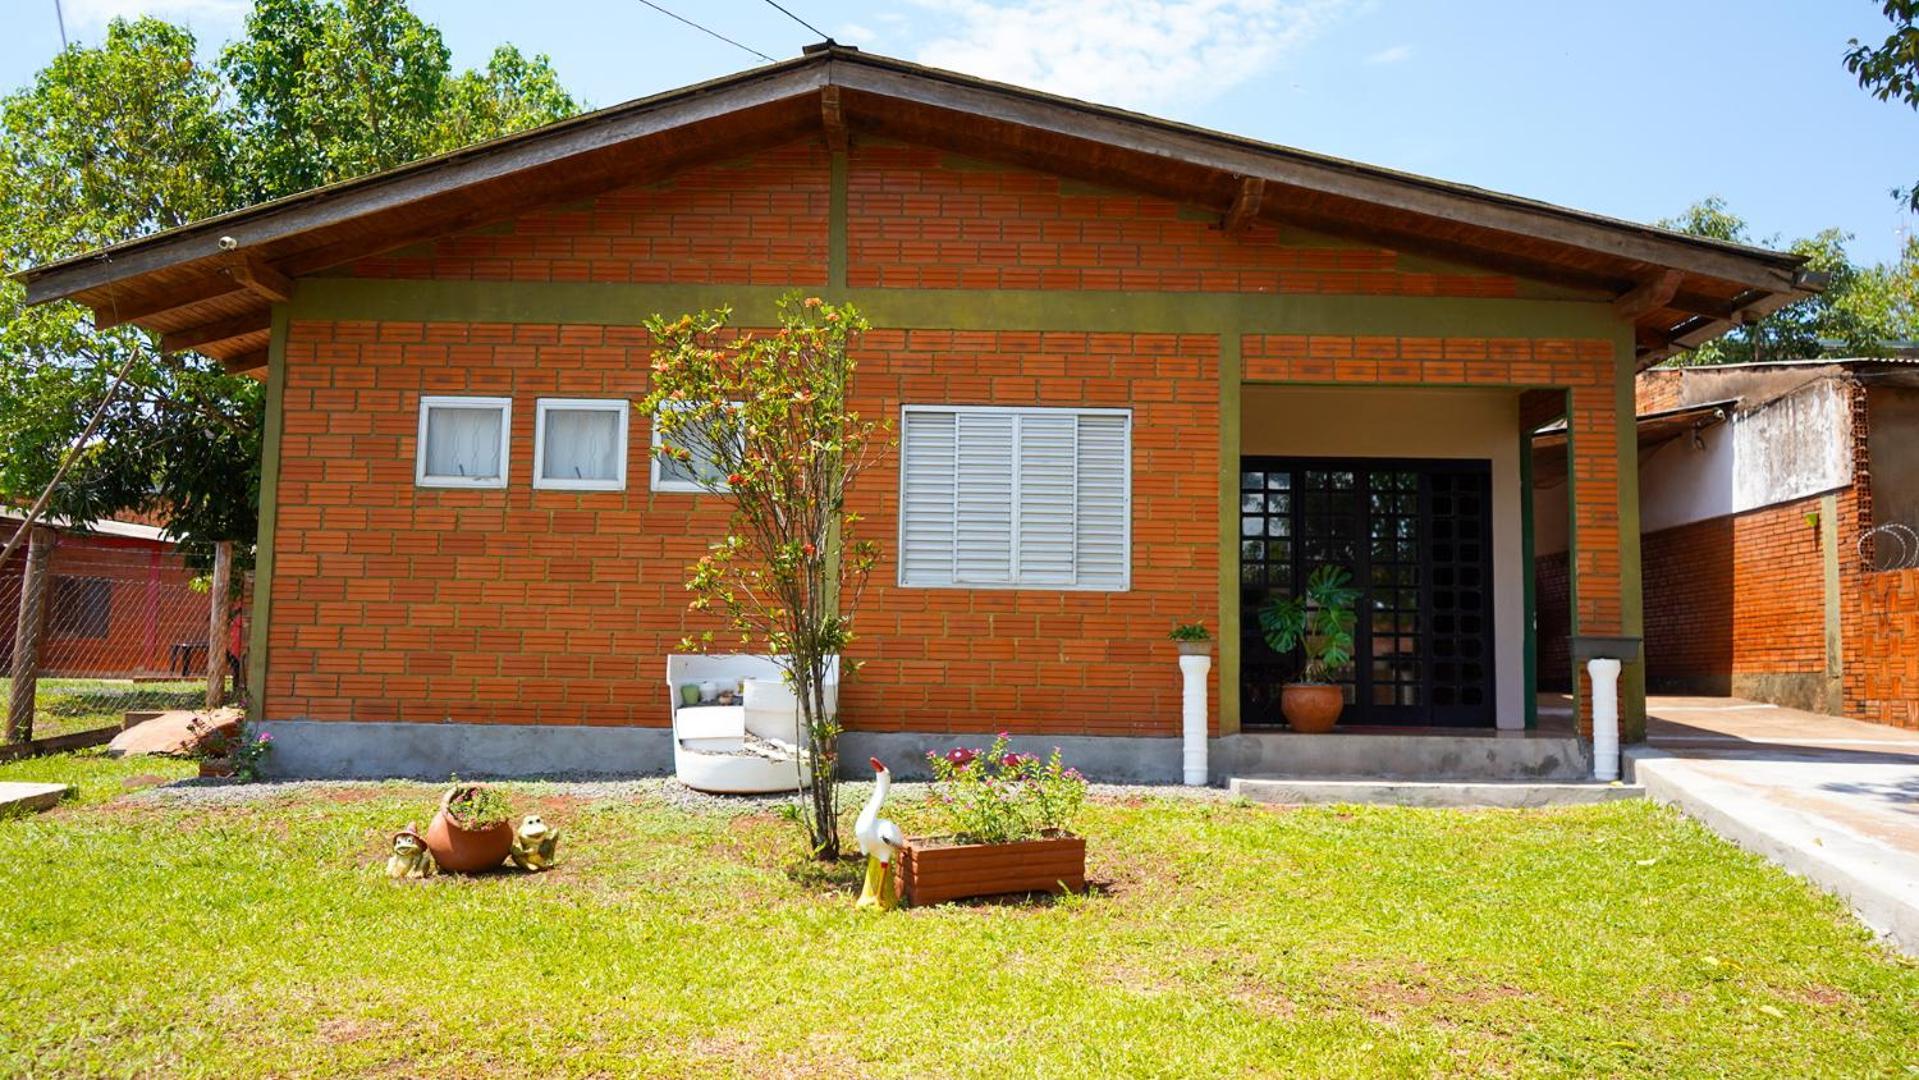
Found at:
<point>809,549</point>
<point>960,757</point>
<point>734,479</point>
<point>1014,759</point>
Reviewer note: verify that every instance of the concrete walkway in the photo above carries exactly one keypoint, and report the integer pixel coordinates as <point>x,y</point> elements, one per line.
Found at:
<point>1833,800</point>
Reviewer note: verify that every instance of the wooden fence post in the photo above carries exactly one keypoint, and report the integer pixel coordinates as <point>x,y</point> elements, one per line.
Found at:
<point>218,610</point>
<point>27,631</point>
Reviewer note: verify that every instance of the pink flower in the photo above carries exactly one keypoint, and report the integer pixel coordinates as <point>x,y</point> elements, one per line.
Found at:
<point>960,757</point>
<point>1015,759</point>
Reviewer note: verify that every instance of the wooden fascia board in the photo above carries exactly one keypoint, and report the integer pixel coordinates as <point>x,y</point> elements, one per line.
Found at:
<point>268,222</point>
<point>1142,135</point>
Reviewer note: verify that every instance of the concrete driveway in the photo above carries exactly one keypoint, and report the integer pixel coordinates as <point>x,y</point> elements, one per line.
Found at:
<point>1834,800</point>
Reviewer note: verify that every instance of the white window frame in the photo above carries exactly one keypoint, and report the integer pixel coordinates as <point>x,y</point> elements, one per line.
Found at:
<point>619,406</point>
<point>429,402</point>
<point>1126,534</point>
<point>677,487</point>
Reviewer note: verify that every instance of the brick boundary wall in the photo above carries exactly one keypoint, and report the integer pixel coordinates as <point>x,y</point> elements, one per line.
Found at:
<point>1886,649</point>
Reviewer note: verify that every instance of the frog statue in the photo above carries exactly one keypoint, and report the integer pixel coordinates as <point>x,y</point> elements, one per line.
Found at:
<point>535,844</point>
<point>410,858</point>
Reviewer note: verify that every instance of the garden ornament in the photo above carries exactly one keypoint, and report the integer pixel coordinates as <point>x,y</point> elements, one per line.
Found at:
<point>410,858</point>
<point>880,839</point>
<point>535,844</point>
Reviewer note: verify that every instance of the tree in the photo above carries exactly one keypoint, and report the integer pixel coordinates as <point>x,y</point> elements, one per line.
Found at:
<point>1890,70</point>
<point>770,413</point>
<point>108,143</point>
<point>131,137</point>
<point>1840,318</point>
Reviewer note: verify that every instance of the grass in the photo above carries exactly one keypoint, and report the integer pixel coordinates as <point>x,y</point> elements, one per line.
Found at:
<point>1224,939</point>
<point>63,706</point>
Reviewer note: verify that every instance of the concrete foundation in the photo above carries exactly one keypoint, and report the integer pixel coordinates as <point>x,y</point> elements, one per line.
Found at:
<point>1423,755</point>
<point>340,750</point>
<point>25,798</point>
<point>1431,793</point>
<point>1112,758</point>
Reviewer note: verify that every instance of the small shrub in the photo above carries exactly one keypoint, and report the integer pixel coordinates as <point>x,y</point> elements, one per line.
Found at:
<point>476,808</point>
<point>997,796</point>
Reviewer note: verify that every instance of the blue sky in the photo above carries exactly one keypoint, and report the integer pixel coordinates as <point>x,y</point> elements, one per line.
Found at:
<point>1627,108</point>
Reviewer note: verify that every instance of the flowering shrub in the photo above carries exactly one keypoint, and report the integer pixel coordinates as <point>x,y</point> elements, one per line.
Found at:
<point>245,753</point>
<point>997,796</point>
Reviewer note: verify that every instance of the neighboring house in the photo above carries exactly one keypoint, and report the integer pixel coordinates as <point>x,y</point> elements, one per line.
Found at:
<point>119,603</point>
<point>1778,503</point>
<point>1143,373</point>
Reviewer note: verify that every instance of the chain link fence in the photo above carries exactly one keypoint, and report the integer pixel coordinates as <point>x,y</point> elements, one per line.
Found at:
<point>124,626</point>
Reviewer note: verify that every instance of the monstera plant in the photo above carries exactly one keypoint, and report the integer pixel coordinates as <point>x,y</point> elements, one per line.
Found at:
<point>1318,622</point>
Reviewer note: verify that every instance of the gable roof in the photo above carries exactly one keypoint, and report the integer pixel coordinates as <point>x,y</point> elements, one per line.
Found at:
<point>209,285</point>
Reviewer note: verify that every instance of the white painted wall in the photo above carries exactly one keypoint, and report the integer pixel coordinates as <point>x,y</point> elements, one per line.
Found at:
<point>1311,421</point>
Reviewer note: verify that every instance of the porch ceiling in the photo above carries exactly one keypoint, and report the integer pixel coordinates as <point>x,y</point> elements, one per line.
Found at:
<point>183,284</point>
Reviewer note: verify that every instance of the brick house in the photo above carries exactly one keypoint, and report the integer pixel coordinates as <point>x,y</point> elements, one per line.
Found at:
<point>1778,503</point>
<point>1261,360</point>
<point>119,603</point>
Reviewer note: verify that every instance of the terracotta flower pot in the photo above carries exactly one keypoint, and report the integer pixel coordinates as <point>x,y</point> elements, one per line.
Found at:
<point>932,871</point>
<point>466,851</point>
<point>1312,708</point>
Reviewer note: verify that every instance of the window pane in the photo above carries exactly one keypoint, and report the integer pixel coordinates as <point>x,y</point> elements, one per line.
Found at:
<point>581,444</point>
<point>463,441</point>
<point>700,471</point>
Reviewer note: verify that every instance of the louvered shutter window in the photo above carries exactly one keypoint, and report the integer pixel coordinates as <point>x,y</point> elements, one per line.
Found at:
<point>1015,498</point>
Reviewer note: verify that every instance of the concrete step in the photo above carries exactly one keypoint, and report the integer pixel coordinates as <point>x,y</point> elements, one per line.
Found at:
<point>21,798</point>
<point>1436,793</point>
<point>1416,755</point>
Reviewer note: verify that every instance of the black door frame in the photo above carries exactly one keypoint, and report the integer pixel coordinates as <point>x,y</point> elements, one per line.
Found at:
<point>1259,705</point>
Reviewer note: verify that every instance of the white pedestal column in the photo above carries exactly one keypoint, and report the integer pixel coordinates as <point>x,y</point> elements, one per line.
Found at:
<point>1193,716</point>
<point>1605,683</point>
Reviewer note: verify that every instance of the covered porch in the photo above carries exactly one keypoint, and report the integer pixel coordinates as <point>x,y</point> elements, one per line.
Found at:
<point>1421,488</point>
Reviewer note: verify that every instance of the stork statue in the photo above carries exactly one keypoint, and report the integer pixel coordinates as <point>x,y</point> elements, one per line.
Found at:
<point>880,839</point>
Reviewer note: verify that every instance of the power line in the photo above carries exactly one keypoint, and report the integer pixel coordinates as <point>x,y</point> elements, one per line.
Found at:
<point>61,18</point>
<point>707,32</point>
<point>797,19</point>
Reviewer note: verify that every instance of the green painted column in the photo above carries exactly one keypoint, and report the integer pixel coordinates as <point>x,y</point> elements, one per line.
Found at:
<point>1229,629</point>
<point>1530,577</point>
<point>269,513</point>
<point>1632,609</point>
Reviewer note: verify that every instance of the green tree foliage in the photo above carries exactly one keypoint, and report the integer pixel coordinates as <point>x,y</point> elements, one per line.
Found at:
<point>1890,69</point>
<point>135,136</point>
<point>1860,311</point>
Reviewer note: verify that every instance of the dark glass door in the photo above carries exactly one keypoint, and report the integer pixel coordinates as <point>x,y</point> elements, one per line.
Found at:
<point>1417,537</point>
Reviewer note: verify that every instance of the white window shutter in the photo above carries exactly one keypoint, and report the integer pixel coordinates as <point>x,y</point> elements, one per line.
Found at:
<point>1045,528</point>
<point>983,534</point>
<point>928,497</point>
<point>1102,537</point>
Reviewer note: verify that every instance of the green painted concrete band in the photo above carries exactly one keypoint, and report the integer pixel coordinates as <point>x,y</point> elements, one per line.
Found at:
<point>1632,610</point>
<point>262,613</point>
<point>590,303</point>
<point>836,249</point>
<point>1229,627</point>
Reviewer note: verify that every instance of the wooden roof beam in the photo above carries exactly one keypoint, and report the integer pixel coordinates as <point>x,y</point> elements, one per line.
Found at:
<point>254,360</point>
<point>213,333</point>
<point>109,314</point>
<point>1245,209</point>
<point>1648,296</point>
<point>259,277</point>
<point>833,119</point>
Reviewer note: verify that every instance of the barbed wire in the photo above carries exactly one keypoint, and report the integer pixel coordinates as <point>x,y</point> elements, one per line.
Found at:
<point>1901,554</point>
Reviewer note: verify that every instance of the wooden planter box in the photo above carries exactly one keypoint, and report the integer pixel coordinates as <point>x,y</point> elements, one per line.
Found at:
<point>933,871</point>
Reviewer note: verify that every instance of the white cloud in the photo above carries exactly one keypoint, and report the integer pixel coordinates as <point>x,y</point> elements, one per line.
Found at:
<point>1142,54</point>
<point>99,12</point>
<point>855,34</point>
<point>1391,55</point>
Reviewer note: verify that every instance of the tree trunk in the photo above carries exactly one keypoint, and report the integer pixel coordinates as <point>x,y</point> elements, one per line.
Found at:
<point>218,609</point>
<point>28,629</point>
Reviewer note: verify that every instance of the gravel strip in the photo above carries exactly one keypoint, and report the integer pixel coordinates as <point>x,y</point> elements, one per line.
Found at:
<point>215,793</point>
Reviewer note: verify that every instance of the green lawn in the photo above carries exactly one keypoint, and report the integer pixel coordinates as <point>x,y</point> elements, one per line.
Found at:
<point>149,937</point>
<point>63,706</point>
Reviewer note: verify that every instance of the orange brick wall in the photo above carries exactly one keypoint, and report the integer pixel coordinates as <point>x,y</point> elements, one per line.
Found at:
<point>152,606</point>
<point>759,221</point>
<point>922,218</point>
<point>1044,661</point>
<point>1885,649</point>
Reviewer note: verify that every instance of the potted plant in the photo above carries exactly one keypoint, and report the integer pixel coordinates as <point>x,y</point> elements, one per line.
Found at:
<point>472,830</point>
<point>1009,818</point>
<point>1193,639</point>
<point>1320,624</point>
